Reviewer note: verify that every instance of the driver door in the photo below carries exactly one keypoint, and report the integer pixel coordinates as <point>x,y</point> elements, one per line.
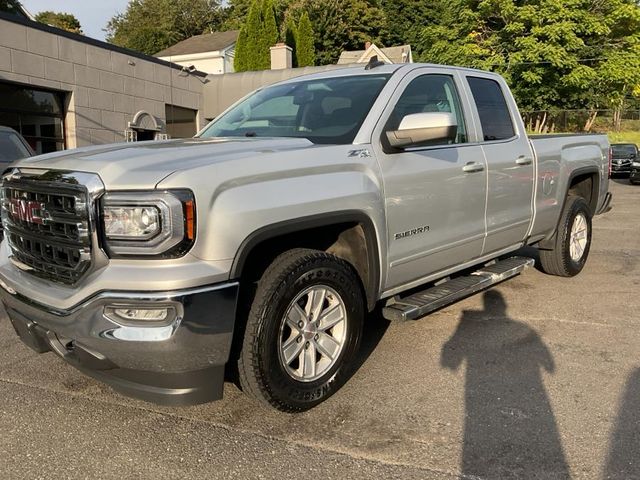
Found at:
<point>435,195</point>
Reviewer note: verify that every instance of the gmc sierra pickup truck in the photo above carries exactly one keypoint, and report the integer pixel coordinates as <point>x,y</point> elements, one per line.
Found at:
<point>261,244</point>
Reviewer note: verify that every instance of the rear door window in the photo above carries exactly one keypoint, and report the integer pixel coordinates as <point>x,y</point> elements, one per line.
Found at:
<point>493,110</point>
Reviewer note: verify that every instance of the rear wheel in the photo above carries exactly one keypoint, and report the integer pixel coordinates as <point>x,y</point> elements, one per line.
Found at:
<point>572,242</point>
<point>303,330</point>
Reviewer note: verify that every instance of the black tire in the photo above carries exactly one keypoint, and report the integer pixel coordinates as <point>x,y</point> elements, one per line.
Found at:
<point>262,373</point>
<point>558,261</point>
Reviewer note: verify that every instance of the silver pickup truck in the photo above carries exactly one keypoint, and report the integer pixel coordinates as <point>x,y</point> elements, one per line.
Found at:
<point>262,244</point>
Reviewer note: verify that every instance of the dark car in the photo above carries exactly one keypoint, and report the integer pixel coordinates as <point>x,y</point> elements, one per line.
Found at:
<point>12,146</point>
<point>622,156</point>
<point>634,174</point>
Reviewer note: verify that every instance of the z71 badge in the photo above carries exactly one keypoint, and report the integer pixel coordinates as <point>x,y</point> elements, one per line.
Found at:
<point>413,231</point>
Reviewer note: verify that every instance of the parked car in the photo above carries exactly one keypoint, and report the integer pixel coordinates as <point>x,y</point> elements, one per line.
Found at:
<point>622,156</point>
<point>12,146</point>
<point>262,244</point>
<point>634,174</point>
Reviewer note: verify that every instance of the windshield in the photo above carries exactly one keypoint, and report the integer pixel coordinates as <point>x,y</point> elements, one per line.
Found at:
<point>327,111</point>
<point>11,148</point>
<point>623,150</point>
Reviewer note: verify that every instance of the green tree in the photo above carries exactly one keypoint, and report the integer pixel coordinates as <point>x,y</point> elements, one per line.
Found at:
<point>269,35</point>
<point>555,54</point>
<point>290,38</point>
<point>257,35</point>
<point>65,21</point>
<point>405,20</point>
<point>242,52</point>
<point>236,12</point>
<point>149,26</point>
<point>305,50</point>
<point>249,40</point>
<point>340,25</point>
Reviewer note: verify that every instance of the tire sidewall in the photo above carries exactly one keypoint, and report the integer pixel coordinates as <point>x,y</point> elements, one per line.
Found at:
<point>282,387</point>
<point>576,206</point>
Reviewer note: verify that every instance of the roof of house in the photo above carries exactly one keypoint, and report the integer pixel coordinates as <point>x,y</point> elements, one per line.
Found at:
<point>207,42</point>
<point>394,54</point>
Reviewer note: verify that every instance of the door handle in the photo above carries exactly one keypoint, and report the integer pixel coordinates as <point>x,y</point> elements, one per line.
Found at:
<point>473,167</point>
<point>523,160</point>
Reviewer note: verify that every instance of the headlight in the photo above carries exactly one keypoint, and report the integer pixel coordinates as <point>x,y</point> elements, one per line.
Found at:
<point>148,223</point>
<point>635,163</point>
<point>131,223</point>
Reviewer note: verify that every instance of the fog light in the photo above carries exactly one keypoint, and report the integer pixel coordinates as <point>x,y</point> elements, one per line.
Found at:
<point>151,316</point>
<point>155,314</point>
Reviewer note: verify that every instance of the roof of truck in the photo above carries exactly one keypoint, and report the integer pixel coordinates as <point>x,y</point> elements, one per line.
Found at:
<point>361,70</point>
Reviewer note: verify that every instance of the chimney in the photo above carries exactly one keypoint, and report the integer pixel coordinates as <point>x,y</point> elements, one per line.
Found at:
<point>281,56</point>
<point>367,45</point>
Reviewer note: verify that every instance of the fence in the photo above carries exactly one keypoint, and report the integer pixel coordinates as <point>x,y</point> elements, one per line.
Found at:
<point>582,121</point>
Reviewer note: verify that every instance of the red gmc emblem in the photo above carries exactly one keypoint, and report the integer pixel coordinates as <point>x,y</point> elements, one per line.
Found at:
<point>26,210</point>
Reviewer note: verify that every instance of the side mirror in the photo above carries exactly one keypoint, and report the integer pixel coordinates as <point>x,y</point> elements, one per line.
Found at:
<point>419,128</point>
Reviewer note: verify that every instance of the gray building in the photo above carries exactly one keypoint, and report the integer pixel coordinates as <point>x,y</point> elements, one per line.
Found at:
<point>62,90</point>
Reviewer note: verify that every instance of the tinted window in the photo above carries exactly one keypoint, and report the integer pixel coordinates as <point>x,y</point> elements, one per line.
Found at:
<point>36,114</point>
<point>492,108</point>
<point>11,148</point>
<point>327,110</point>
<point>429,93</point>
<point>624,150</point>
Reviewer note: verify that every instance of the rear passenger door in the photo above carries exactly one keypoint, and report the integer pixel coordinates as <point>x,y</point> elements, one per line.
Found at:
<point>509,159</point>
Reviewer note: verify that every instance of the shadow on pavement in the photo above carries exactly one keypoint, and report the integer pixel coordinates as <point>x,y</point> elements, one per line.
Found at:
<point>510,430</point>
<point>623,460</point>
<point>375,326</point>
<point>622,180</point>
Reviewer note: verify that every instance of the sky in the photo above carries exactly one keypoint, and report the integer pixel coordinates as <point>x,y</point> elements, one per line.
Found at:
<point>93,14</point>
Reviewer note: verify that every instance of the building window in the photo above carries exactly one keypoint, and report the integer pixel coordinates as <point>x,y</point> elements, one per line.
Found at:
<point>36,114</point>
<point>181,122</point>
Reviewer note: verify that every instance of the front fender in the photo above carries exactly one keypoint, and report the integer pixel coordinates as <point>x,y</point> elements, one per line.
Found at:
<point>238,200</point>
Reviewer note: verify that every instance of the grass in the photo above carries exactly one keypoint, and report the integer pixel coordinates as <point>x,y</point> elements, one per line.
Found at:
<point>625,137</point>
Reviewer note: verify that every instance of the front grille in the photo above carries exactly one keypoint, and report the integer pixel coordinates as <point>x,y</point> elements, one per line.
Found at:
<point>47,228</point>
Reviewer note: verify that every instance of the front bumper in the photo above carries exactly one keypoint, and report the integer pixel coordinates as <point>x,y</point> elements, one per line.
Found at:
<point>178,363</point>
<point>622,168</point>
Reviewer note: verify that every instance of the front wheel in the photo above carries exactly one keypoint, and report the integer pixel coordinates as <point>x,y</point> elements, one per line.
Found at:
<point>573,240</point>
<point>303,330</point>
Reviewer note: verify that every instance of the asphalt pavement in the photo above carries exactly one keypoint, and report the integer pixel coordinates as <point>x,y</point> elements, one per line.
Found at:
<point>537,378</point>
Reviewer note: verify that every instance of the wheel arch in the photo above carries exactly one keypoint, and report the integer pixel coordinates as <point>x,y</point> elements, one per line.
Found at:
<point>583,182</point>
<point>350,235</point>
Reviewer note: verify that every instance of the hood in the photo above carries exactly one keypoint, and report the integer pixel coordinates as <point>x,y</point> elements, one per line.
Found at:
<point>143,165</point>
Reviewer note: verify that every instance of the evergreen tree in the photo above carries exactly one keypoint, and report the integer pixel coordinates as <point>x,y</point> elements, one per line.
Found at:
<point>340,25</point>
<point>258,34</point>
<point>305,50</point>
<point>240,60</point>
<point>269,35</point>
<point>249,42</point>
<point>290,36</point>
